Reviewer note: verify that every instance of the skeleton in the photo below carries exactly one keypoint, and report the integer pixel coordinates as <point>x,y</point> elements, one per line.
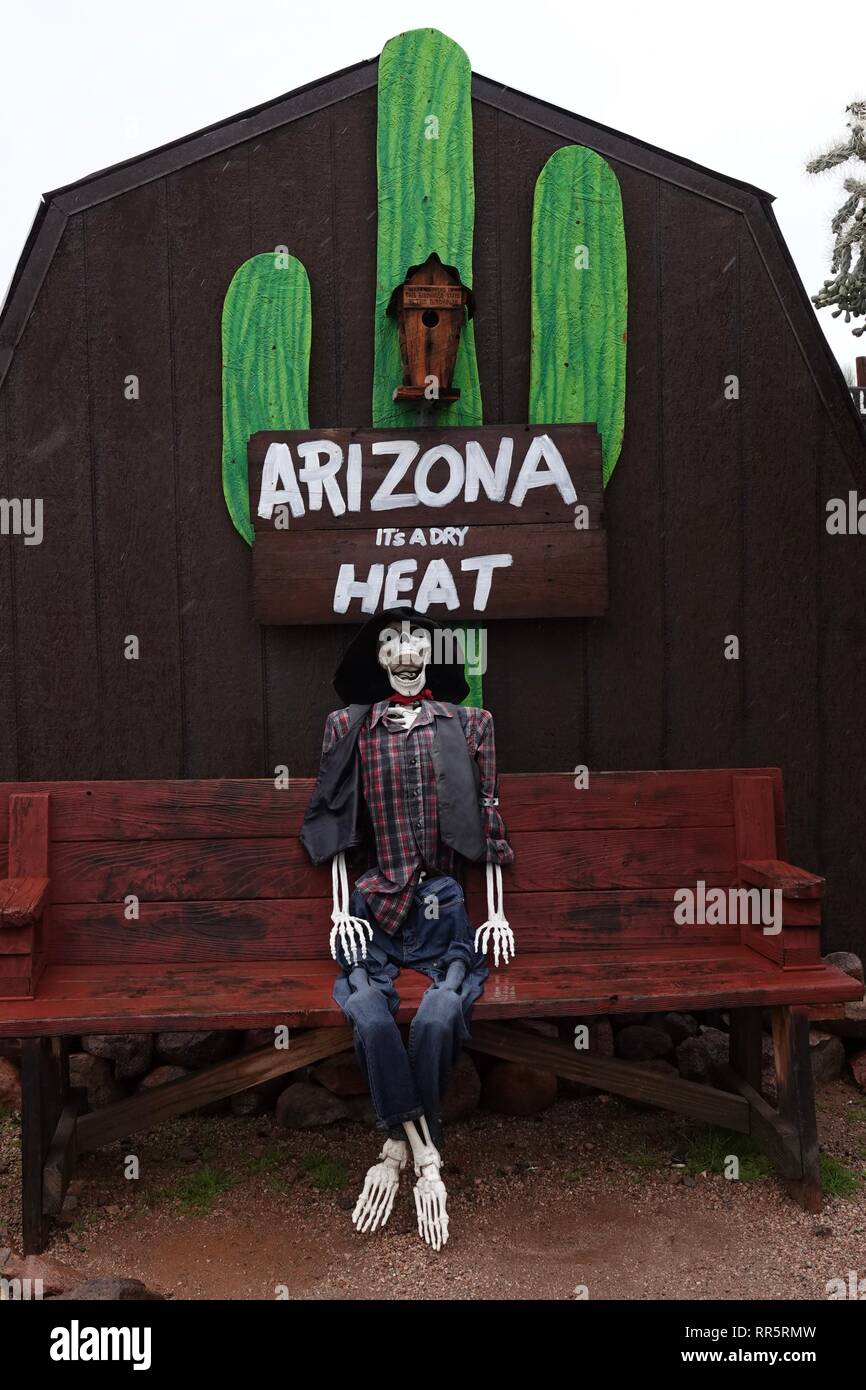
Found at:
<point>404,656</point>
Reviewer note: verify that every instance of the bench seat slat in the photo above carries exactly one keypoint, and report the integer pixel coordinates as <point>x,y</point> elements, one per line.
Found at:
<point>259,994</point>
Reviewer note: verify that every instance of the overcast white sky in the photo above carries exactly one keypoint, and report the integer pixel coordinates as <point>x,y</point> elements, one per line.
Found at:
<point>749,89</point>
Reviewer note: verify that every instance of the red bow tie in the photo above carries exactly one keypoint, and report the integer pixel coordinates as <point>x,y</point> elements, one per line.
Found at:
<point>396,699</point>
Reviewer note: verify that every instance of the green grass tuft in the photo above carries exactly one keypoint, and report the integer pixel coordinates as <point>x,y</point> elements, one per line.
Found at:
<point>324,1173</point>
<point>709,1147</point>
<point>195,1192</point>
<point>643,1159</point>
<point>837,1179</point>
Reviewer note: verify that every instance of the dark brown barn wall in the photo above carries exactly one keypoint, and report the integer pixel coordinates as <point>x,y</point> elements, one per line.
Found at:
<point>715,511</point>
<point>222,719</point>
<point>840,655</point>
<point>626,653</point>
<point>133,478</point>
<point>8,716</point>
<point>62,718</point>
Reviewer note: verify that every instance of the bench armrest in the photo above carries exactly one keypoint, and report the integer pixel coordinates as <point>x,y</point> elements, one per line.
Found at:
<point>776,874</point>
<point>22,900</point>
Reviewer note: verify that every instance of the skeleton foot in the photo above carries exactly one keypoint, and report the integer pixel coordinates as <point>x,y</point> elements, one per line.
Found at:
<point>430,1194</point>
<point>373,1207</point>
<point>430,1200</point>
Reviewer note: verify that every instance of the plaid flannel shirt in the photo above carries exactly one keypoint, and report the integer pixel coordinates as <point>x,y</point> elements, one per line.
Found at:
<point>399,783</point>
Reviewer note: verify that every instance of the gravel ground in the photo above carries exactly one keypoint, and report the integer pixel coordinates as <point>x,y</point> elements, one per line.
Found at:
<point>587,1194</point>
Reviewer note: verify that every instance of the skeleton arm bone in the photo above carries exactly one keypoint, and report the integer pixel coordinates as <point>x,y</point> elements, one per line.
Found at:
<point>350,930</point>
<point>499,851</point>
<point>496,925</point>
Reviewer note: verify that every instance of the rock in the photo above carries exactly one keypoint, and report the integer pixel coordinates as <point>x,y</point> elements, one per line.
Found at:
<point>626,1020</point>
<point>462,1092</point>
<point>515,1089</point>
<point>342,1075</point>
<point>851,1025</point>
<point>715,1018</point>
<point>96,1076</point>
<point>680,1026</point>
<point>131,1053</point>
<point>110,1290</point>
<point>718,1046</point>
<point>305,1105</point>
<point>10,1084</point>
<point>827,1054</point>
<point>698,1058</point>
<point>641,1043</point>
<point>194,1049</point>
<point>159,1076</point>
<point>857,1064</point>
<point>693,1062</point>
<point>56,1276</point>
<point>660,1065</point>
<point>361,1110</point>
<point>847,961</point>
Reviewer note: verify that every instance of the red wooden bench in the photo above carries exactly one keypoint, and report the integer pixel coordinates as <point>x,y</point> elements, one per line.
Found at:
<point>233,923</point>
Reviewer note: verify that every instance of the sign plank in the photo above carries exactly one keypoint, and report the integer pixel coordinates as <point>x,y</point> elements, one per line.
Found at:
<point>493,522</point>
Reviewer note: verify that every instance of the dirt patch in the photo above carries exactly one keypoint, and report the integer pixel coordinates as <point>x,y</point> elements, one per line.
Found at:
<point>594,1193</point>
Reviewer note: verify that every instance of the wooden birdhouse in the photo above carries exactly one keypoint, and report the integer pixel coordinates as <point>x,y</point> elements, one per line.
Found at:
<point>429,309</point>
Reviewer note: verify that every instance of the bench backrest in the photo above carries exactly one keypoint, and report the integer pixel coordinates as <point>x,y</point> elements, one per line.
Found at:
<point>220,875</point>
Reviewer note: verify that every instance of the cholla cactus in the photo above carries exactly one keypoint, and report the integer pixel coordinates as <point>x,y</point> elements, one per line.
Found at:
<point>847,290</point>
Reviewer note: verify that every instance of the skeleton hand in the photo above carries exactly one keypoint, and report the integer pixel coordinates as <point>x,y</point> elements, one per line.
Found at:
<point>349,929</point>
<point>430,1199</point>
<point>496,925</point>
<point>373,1207</point>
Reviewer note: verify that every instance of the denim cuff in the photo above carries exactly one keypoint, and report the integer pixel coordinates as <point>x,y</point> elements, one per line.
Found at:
<point>390,1121</point>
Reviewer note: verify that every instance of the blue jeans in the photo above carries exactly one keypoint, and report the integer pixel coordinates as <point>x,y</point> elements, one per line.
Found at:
<point>406,1082</point>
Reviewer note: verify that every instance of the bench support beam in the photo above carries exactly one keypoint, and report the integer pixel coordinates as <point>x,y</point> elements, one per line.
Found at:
<point>627,1079</point>
<point>211,1083</point>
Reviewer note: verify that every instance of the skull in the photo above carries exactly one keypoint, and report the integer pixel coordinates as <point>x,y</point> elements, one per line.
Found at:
<point>405,654</point>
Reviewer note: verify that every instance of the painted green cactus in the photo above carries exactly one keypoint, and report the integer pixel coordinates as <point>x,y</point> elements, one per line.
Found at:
<point>426,203</point>
<point>579,298</point>
<point>266,333</point>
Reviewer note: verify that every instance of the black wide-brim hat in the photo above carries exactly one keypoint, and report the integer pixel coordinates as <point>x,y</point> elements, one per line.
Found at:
<point>360,680</point>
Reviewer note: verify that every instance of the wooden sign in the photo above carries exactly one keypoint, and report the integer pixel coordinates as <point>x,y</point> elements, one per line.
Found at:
<point>501,522</point>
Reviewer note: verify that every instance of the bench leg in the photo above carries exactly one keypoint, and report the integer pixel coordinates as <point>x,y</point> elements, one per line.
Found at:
<point>44,1090</point>
<point>796,1099</point>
